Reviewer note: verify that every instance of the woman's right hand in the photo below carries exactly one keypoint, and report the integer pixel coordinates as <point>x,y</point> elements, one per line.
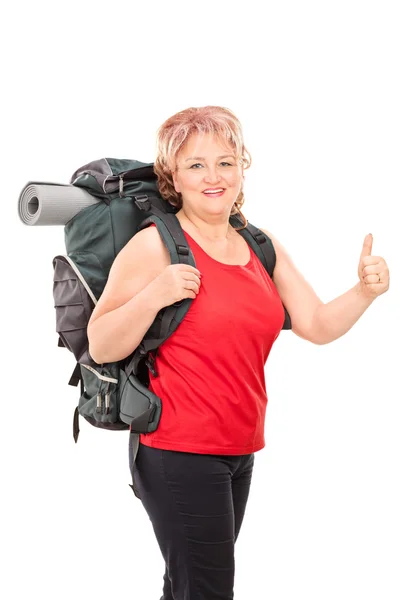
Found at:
<point>176,282</point>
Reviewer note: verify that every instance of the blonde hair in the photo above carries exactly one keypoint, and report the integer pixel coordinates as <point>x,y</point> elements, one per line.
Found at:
<point>175,131</point>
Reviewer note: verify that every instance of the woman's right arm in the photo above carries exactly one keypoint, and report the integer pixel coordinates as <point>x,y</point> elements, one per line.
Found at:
<point>139,285</point>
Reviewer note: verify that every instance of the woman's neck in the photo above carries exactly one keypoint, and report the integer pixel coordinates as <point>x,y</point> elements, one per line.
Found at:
<point>208,231</point>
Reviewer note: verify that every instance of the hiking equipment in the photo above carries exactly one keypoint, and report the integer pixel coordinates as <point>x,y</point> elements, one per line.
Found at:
<point>115,395</point>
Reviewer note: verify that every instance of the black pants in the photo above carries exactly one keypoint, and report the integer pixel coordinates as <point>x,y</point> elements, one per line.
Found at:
<point>196,503</point>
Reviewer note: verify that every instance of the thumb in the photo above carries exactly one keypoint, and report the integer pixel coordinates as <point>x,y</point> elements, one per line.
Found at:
<point>367,246</point>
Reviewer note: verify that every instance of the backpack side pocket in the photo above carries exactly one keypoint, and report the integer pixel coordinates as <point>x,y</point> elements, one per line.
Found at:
<point>139,407</point>
<point>73,307</point>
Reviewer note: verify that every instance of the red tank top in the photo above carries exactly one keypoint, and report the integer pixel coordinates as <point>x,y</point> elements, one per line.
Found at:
<point>211,370</point>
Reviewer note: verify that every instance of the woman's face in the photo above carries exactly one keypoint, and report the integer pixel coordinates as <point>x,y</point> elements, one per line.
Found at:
<point>205,164</point>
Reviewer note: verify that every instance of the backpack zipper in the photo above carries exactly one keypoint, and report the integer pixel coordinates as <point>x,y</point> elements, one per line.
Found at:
<point>102,406</point>
<point>99,402</point>
<point>103,400</point>
<point>107,398</point>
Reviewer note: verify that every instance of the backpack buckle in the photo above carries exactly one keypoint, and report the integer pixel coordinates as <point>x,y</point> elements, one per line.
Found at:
<point>260,237</point>
<point>143,202</point>
<point>183,250</point>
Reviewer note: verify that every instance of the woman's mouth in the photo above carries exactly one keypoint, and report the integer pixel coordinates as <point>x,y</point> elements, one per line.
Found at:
<point>214,193</point>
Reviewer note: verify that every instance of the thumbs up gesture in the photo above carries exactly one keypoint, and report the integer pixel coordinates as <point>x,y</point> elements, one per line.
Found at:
<point>372,271</point>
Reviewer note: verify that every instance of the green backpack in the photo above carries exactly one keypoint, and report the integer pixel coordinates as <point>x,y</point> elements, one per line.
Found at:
<point>115,395</point>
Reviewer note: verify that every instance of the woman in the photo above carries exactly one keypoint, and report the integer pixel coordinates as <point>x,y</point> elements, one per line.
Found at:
<point>194,472</point>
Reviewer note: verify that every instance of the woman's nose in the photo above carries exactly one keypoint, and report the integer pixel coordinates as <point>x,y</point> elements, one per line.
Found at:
<point>212,175</point>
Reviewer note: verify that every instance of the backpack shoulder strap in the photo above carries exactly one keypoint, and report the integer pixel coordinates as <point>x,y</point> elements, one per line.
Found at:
<point>263,247</point>
<point>174,239</point>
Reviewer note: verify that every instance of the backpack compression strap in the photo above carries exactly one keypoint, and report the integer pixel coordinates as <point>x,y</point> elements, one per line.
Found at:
<point>76,378</point>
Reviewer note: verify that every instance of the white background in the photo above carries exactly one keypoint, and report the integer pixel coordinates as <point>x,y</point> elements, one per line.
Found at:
<point>316,87</point>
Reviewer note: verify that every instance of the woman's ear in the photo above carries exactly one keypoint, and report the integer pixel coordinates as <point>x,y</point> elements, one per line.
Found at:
<point>175,181</point>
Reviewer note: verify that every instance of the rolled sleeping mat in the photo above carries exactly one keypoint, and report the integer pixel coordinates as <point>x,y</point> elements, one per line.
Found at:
<point>51,203</point>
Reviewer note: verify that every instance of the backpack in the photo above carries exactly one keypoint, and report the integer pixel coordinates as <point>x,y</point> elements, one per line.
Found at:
<point>115,396</point>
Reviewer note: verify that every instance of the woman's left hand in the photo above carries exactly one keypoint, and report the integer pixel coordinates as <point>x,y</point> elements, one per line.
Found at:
<point>372,271</point>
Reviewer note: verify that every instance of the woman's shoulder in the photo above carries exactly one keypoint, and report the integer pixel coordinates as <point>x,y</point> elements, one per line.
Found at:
<point>142,258</point>
<point>146,247</point>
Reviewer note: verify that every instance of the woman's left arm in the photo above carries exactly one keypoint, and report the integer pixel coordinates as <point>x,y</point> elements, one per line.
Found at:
<point>320,322</point>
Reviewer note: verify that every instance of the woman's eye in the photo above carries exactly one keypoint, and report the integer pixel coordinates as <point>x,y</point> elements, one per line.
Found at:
<point>199,165</point>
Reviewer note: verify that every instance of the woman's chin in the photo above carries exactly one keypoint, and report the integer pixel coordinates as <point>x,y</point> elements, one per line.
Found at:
<point>218,210</point>
<point>217,205</point>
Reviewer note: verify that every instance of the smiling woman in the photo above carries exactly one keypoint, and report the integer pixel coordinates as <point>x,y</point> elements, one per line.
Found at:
<point>193,473</point>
